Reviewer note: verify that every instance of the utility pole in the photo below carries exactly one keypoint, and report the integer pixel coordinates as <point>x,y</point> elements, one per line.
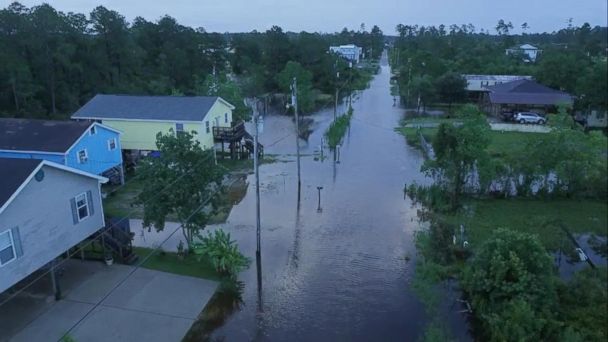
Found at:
<point>258,251</point>
<point>336,103</point>
<point>294,103</point>
<point>337,90</point>
<point>257,179</point>
<point>409,79</point>
<point>350,92</point>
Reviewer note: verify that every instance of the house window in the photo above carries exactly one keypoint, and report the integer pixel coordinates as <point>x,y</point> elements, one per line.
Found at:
<point>112,144</point>
<point>82,206</point>
<point>83,156</point>
<point>179,127</point>
<point>7,248</point>
<point>93,130</point>
<point>225,117</point>
<point>207,129</point>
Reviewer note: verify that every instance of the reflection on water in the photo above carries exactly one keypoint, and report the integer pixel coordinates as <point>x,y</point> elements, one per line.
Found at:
<point>338,274</point>
<point>226,300</point>
<point>568,259</point>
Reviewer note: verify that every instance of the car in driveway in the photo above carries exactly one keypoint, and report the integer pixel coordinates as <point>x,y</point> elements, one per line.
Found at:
<point>529,117</point>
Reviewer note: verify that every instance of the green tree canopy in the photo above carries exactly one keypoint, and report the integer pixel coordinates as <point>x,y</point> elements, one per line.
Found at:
<point>451,87</point>
<point>178,183</point>
<point>511,278</point>
<point>460,155</point>
<point>304,84</point>
<point>224,87</point>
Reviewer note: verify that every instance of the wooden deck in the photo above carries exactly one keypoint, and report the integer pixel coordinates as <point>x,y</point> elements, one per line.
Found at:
<point>239,141</point>
<point>229,134</point>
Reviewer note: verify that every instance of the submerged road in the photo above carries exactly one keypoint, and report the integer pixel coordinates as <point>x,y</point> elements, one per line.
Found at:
<point>342,274</point>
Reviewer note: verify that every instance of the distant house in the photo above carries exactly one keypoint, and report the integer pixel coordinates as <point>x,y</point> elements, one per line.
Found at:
<point>140,118</point>
<point>478,83</point>
<point>86,146</point>
<point>529,52</point>
<point>350,52</point>
<point>523,95</point>
<point>592,118</point>
<point>45,209</point>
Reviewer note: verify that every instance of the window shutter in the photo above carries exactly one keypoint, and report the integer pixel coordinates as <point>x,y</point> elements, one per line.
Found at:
<point>17,242</point>
<point>74,212</point>
<point>90,202</point>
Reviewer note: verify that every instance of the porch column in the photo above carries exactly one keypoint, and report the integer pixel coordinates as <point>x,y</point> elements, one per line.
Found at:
<point>54,281</point>
<point>122,174</point>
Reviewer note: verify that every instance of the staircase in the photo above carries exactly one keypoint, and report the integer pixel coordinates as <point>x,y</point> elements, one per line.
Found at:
<point>116,238</point>
<point>120,243</point>
<point>249,145</point>
<point>237,138</point>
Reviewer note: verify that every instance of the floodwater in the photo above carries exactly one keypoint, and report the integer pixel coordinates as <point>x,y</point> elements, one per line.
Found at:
<point>344,273</point>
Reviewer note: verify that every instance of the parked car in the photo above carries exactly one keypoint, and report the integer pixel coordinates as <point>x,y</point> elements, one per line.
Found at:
<point>529,117</point>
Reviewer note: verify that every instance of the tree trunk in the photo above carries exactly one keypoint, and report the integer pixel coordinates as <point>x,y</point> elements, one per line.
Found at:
<point>51,78</point>
<point>15,96</point>
<point>53,99</point>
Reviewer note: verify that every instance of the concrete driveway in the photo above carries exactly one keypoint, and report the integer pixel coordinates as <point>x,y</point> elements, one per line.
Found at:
<point>149,306</point>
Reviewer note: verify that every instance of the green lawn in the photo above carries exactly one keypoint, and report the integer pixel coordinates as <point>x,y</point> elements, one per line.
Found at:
<point>502,144</point>
<point>171,263</point>
<point>509,143</point>
<point>119,199</point>
<point>532,216</point>
<point>411,135</point>
<point>428,119</point>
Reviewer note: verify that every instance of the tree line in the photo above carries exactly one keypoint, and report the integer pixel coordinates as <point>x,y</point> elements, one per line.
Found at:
<point>53,62</point>
<point>573,59</point>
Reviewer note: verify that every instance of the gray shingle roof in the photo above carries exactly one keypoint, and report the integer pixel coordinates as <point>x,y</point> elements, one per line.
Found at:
<point>527,92</point>
<point>163,108</point>
<point>40,135</point>
<point>13,172</point>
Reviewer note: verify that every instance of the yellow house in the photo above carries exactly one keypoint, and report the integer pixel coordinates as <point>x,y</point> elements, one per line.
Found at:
<point>140,118</point>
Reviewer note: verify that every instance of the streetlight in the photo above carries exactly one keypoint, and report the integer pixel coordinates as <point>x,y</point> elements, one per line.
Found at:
<point>319,188</point>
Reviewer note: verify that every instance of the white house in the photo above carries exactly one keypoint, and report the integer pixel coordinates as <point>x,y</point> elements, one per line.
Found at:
<point>351,52</point>
<point>530,52</point>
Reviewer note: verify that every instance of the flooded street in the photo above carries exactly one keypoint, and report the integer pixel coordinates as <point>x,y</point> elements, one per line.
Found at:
<point>343,273</point>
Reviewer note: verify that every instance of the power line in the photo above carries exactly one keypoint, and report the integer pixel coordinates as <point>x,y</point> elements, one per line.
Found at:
<point>143,261</point>
<point>102,230</point>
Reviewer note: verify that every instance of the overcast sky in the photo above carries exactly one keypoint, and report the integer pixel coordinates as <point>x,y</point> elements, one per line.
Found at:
<point>333,15</point>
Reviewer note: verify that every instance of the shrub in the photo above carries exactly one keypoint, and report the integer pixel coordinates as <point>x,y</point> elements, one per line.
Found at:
<point>223,253</point>
<point>509,270</point>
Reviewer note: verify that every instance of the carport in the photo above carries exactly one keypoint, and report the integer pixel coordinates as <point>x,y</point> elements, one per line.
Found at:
<point>106,303</point>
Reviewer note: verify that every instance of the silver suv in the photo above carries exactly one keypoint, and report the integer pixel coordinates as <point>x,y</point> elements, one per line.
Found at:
<point>529,117</point>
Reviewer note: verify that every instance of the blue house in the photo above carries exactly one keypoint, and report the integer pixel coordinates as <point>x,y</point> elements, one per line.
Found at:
<point>87,146</point>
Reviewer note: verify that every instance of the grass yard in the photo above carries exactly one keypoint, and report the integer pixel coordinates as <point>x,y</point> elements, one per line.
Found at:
<point>502,144</point>
<point>171,263</point>
<point>119,199</point>
<point>411,135</point>
<point>532,216</point>
<point>510,143</point>
<point>428,119</point>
